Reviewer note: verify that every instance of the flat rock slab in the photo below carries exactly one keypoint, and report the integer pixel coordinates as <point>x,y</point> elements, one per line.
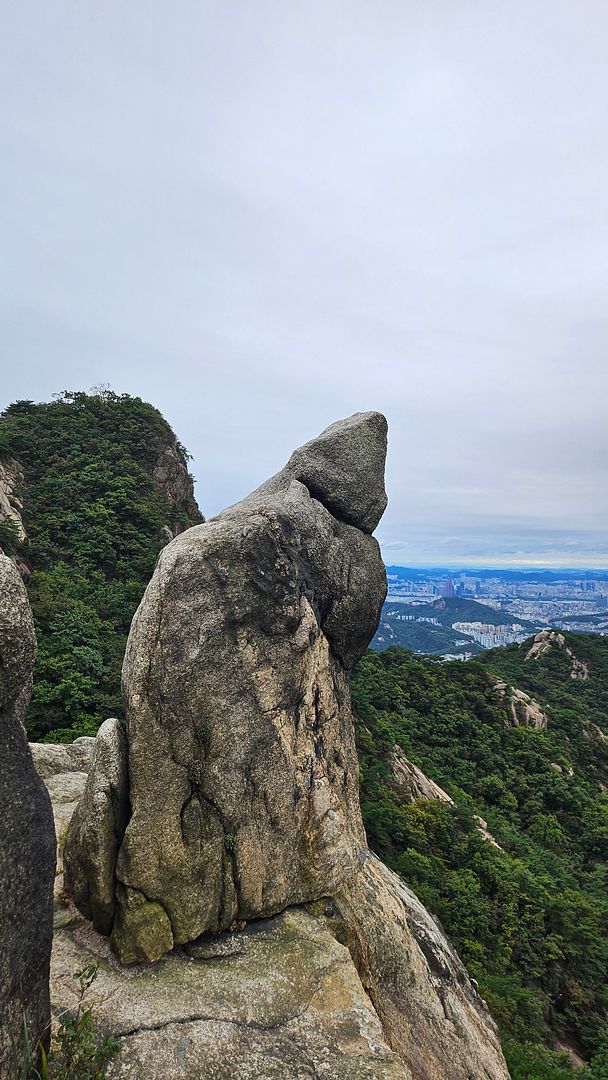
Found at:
<point>283,1000</point>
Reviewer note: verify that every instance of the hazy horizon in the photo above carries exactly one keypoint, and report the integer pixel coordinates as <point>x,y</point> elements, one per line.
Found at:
<point>264,218</point>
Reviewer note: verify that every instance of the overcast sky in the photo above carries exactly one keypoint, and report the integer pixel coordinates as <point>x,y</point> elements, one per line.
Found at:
<point>264,216</point>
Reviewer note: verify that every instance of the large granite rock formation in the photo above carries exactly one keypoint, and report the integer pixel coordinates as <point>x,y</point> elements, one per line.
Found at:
<point>242,771</point>
<point>302,954</point>
<point>27,840</point>
<point>360,985</point>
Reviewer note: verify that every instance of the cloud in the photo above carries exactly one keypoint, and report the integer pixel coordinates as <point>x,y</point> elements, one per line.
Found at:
<point>264,217</point>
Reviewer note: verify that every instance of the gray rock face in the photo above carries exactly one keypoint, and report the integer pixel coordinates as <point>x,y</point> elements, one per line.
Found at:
<point>431,1015</point>
<point>97,827</point>
<point>52,759</point>
<point>278,1000</point>
<point>243,776</point>
<point>343,468</point>
<point>27,839</point>
<point>362,985</point>
<point>174,480</point>
<point>11,479</point>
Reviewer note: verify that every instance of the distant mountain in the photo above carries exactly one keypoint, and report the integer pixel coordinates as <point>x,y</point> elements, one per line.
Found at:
<point>412,625</point>
<point>451,609</point>
<point>419,637</point>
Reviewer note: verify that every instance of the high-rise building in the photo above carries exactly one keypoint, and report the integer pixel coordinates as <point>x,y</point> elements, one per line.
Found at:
<point>448,588</point>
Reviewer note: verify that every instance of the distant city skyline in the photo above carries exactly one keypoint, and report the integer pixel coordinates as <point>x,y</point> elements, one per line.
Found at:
<point>264,217</point>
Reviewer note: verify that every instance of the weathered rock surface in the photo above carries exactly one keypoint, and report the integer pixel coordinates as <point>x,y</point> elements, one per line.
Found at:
<point>97,828</point>
<point>546,640</point>
<point>286,1001</point>
<point>27,844</point>
<point>431,1015</point>
<point>11,507</point>
<point>293,952</point>
<point>410,782</point>
<point>522,710</point>
<point>363,985</point>
<point>55,759</point>
<point>243,777</point>
<point>173,479</point>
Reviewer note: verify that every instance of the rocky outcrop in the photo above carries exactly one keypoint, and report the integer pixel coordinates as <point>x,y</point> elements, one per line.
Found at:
<point>482,825</point>
<point>282,947</point>
<point>546,640</point>
<point>11,507</point>
<point>172,477</point>
<point>274,1000</point>
<point>410,782</point>
<point>363,985</point>
<point>521,709</point>
<point>243,777</point>
<point>27,846</point>
<point>431,1015</point>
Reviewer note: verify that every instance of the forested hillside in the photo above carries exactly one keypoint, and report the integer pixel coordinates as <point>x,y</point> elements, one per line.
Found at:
<point>103,484</point>
<point>530,916</point>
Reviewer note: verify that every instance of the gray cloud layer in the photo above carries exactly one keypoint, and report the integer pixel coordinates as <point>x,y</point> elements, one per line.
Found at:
<point>261,217</point>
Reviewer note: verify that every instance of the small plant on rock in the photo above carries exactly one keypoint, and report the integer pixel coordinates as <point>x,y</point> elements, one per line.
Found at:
<point>76,1052</point>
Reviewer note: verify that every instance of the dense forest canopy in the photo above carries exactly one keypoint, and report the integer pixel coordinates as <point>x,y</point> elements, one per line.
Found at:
<point>95,521</point>
<point>530,920</point>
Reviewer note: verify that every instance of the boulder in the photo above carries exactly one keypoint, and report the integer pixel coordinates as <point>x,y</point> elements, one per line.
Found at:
<point>27,845</point>
<point>97,827</point>
<point>243,775</point>
<point>53,759</point>
<point>301,954</point>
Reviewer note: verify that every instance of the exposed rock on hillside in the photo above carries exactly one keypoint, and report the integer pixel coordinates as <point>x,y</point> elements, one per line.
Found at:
<point>173,479</point>
<point>27,846</point>
<point>11,507</point>
<point>410,782</point>
<point>522,710</point>
<point>546,640</point>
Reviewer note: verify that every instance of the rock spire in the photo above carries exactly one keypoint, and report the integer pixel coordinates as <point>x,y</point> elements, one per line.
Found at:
<point>242,772</point>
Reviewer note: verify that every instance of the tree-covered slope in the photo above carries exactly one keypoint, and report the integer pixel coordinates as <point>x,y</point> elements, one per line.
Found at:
<point>419,637</point>
<point>104,484</point>
<point>530,920</point>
